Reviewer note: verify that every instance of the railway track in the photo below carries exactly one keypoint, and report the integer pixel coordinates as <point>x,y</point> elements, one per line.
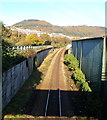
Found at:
<point>53,102</point>
<point>51,96</point>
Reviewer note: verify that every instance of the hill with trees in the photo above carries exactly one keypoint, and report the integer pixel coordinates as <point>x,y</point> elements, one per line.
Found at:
<point>16,38</point>
<point>76,31</point>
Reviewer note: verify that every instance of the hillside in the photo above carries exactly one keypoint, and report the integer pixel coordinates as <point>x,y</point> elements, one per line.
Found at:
<point>79,31</point>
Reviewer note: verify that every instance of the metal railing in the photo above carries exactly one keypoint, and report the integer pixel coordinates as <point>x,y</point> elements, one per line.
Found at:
<point>29,47</point>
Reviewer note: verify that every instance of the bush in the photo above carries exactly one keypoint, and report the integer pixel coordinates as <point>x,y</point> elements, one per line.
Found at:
<point>78,75</point>
<point>81,80</point>
<point>11,57</point>
<point>71,61</point>
<point>28,53</point>
<point>67,59</point>
<point>85,87</point>
<point>79,84</point>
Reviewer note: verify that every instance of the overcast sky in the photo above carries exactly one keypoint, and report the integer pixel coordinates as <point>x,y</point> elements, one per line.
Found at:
<point>57,12</point>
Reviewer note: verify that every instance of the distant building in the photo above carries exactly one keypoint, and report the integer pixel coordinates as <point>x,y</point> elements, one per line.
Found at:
<point>29,31</point>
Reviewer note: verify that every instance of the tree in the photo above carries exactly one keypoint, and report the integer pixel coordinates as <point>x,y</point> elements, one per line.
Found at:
<point>12,37</point>
<point>33,39</point>
<point>6,33</point>
<point>46,38</point>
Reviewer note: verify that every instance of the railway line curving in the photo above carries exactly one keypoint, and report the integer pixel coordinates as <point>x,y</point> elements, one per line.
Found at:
<point>51,102</point>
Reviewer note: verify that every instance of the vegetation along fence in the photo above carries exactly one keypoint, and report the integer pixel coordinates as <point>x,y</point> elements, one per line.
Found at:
<point>92,55</point>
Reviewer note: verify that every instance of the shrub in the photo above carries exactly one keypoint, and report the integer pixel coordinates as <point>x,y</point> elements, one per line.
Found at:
<point>67,59</point>
<point>71,61</point>
<point>28,53</point>
<point>11,57</point>
<point>79,84</point>
<point>78,75</point>
<point>85,87</point>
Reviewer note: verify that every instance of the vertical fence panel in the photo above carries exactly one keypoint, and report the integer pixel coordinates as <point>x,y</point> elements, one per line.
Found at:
<point>74,48</point>
<point>79,52</point>
<point>89,53</point>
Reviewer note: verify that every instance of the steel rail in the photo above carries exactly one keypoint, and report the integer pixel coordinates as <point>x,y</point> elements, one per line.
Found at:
<point>60,111</point>
<point>47,101</point>
<point>59,95</point>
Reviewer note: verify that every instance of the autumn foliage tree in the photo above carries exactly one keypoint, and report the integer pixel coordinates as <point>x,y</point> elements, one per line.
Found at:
<point>60,41</point>
<point>46,38</point>
<point>12,37</point>
<point>20,39</point>
<point>33,39</point>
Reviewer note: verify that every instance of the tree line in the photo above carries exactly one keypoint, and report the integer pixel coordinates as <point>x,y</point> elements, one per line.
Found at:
<point>16,38</point>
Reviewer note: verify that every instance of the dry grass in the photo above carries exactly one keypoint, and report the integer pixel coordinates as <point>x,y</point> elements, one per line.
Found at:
<point>45,64</point>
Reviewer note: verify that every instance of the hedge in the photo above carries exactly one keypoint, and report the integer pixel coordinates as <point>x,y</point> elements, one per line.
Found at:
<point>78,75</point>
